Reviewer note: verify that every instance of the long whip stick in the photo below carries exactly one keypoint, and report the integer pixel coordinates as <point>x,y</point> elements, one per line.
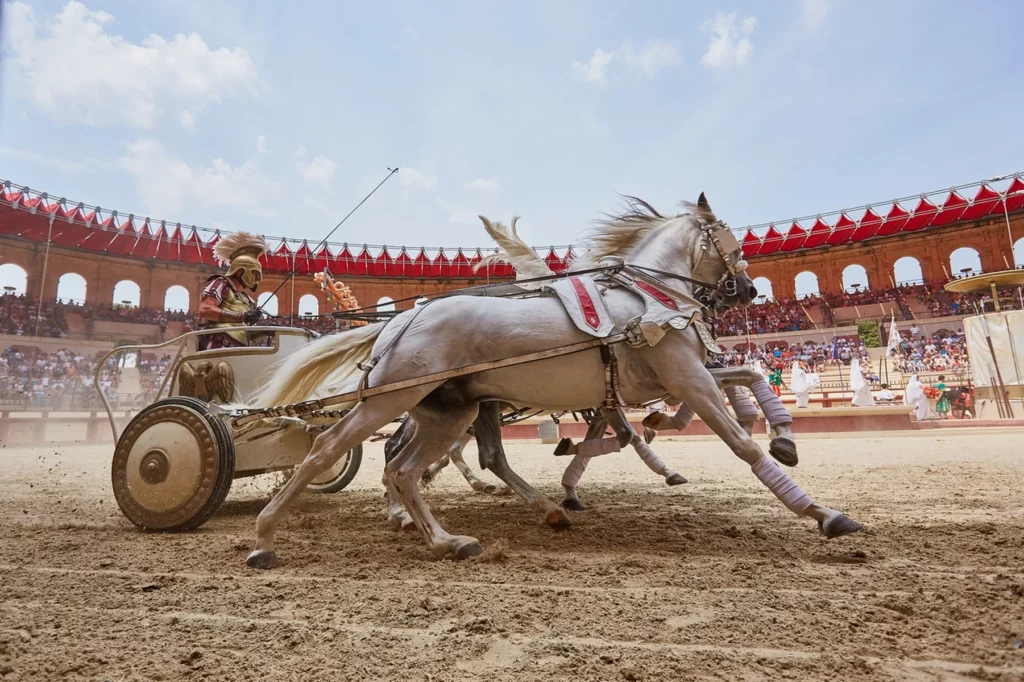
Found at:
<point>391,171</point>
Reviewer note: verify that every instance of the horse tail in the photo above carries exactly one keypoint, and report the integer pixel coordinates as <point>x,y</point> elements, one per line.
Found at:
<point>330,361</point>
<point>526,262</point>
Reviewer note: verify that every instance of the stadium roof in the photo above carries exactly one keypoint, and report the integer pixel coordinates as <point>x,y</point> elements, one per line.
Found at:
<point>35,216</point>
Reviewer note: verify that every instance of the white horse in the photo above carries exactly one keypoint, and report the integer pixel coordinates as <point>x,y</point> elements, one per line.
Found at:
<point>671,254</point>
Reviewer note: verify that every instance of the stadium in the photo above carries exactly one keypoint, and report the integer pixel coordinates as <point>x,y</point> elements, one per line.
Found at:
<point>752,435</point>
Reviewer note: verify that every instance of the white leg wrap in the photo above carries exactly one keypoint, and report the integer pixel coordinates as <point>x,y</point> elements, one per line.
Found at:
<point>650,458</point>
<point>597,447</point>
<point>683,417</point>
<point>574,472</point>
<point>775,412</point>
<point>784,487</point>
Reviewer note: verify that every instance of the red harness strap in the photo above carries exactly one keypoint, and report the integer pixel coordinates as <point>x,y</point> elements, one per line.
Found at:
<point>586,303</point>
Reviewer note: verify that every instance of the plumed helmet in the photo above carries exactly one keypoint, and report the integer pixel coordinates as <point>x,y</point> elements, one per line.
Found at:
<point>240,252</point>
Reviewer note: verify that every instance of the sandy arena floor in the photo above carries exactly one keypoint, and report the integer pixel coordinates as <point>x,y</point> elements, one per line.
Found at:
<point>711,580</point>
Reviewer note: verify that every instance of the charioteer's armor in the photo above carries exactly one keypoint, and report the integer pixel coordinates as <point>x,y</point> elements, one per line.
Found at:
<point>227,299</point>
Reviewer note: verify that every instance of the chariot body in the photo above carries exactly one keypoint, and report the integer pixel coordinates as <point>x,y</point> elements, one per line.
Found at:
<point>175,460</point>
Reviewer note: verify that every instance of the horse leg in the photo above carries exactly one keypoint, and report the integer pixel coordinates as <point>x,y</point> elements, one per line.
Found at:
<point>476,483</point>
<point>436,430</point>
<point>699,389</point>
<point>659,421</point>
<point>358,425</point>
<point>435,469</point>
<point>398,518</point>
<point>574,472</point>
<point>487,428</point>
<point>624,430</point>
<point>783,444</point>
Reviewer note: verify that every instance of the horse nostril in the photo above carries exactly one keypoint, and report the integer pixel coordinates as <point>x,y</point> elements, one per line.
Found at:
<point>753,292</point>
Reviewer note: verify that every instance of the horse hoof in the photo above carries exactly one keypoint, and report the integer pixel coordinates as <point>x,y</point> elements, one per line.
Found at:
<point>784,450</point>
<point>563,446</point>
<point>401,522</point>
<point>649,435</point>
<point>838,525</point>
<point>467,548</point>
<point>675,479</point>
<point>556,518</point>
<point>262,560</point>
<point>490,489</point>
<point>572,504</point>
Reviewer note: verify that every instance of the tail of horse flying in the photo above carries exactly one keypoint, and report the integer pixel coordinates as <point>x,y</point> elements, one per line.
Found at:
<point>326,362</point>
<point>526,262</point>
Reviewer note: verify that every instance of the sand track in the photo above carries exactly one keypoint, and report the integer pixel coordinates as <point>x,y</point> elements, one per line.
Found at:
<point>711,580</point>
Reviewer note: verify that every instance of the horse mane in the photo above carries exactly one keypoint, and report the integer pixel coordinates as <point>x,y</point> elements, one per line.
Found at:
<point>618,234</point>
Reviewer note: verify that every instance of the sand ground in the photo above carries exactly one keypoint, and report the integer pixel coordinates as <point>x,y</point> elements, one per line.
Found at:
<point>713,580</point>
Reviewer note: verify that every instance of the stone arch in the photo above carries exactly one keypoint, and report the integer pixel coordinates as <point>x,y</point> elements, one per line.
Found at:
<point>268,302</point>
<point>764,288</point>
<point>309,305</point>
<point>13,279</point>
<point>806,284</point>
<point>177,298</point>
<point>907,270</point>
<point>127,293</point>
<point>385,304</point>
<point>855,273</point>
<point>72,288</point>
<point>1018,252</point>
<point>965,257</point>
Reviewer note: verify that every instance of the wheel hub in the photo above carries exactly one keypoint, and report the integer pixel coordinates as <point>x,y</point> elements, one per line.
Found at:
<point>154,466</point>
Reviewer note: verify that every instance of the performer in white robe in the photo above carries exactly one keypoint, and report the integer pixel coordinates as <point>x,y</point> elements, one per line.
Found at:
<point>860,387</point>
<point>914,397</point>
<point>800,386</point>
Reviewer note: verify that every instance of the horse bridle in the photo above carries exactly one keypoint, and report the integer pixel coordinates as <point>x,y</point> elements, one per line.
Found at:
<point>728,247</point>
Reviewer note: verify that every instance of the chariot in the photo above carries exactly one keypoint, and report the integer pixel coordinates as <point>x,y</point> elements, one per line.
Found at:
<point>174,461</point>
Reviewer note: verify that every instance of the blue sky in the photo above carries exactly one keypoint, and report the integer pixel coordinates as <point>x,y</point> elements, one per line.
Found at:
<point>278,118</point>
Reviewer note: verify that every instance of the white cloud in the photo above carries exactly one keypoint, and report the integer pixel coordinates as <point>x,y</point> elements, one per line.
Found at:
<point>485,184</point>
<point>187,120</point>
<point>654,57</point>
<point>730,40</point>
<point>76,70</point>
<point>814,12</point>
<point>300,151</point>
<point>593,70</point>
<point>166,184</point>
<point>411,177</point>
<point>320,170</point>
<point>261,144</point>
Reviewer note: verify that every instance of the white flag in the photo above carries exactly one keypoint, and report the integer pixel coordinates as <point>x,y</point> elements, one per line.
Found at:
<point>894,337</point>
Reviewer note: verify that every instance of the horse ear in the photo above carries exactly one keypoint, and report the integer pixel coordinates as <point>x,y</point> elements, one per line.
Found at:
<point>702,202</point>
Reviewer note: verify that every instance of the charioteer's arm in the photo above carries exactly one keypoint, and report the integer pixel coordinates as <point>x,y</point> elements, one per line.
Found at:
<point>211,310</point>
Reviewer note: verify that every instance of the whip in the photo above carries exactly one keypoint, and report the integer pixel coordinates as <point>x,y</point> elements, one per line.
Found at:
<point>391,171</point>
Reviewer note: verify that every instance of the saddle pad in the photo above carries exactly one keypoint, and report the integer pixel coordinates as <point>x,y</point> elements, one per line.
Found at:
<point>585,305</point>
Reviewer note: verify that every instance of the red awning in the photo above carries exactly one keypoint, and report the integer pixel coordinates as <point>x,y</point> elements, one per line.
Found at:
<point>771,242</point>
<point>924,214</point>
<point>1015,195</point>
<point>985,201</point>
<point>343,262</point>
<point>951,211</point>
<point>750,244</point>
<point>867,226</point>
<point>795,237</point>
<point>894,221</point>
<point>842,231</point>
<point>818,234</point>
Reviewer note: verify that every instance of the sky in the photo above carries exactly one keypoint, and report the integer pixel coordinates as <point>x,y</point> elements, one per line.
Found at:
<point>278,117</point>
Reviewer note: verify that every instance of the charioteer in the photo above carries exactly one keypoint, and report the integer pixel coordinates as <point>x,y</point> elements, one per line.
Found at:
<point>227,299</point>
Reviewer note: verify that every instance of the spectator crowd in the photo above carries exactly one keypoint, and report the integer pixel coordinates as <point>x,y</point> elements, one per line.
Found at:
<point>63,379</point>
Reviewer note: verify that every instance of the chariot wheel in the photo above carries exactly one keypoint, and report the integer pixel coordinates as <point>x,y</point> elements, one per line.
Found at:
<point>173,465</point>
<point>341,474</point>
